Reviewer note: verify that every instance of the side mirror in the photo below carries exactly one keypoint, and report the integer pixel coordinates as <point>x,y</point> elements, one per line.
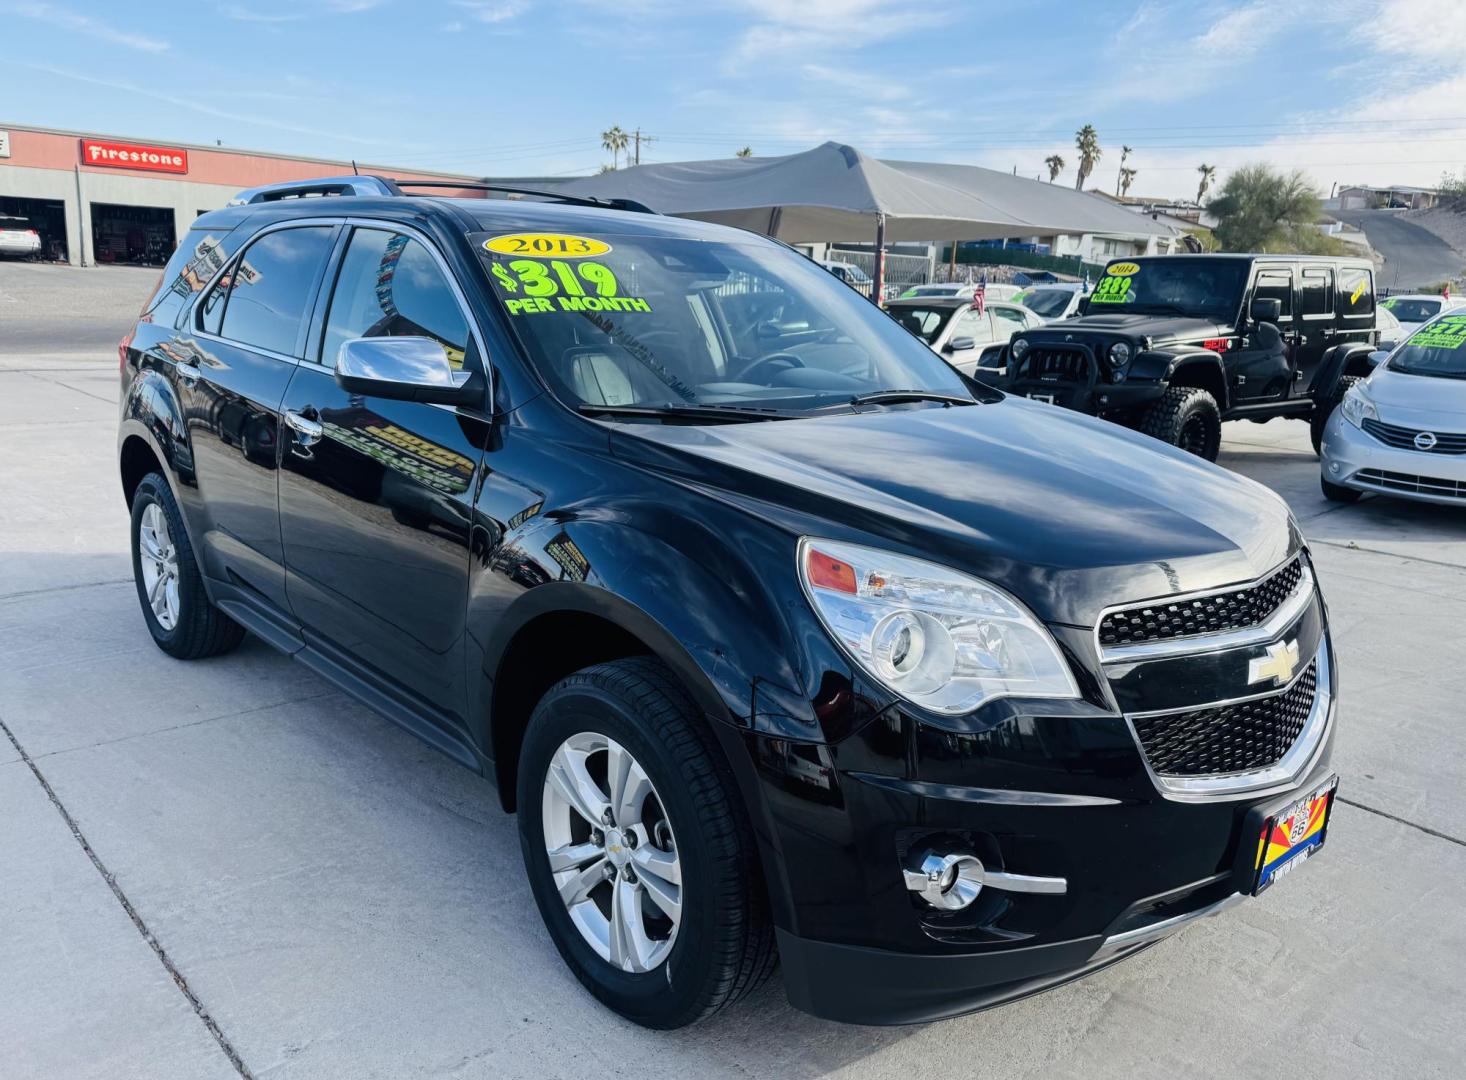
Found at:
<point>960,344</point>
<point>1265,309</point>
<point>405,369</point>
<point>1378,357</point>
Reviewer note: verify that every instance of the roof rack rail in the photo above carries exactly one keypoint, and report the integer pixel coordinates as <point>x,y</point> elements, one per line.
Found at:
<point>327,185</point>
<point>381,186</point>
<point>578,200</point>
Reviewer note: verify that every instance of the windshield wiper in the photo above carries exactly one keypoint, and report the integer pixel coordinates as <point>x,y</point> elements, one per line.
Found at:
<point>892,397</point>
<point>728,414</point>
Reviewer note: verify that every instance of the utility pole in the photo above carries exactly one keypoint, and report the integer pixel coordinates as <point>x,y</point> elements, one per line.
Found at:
<point>637,139</point>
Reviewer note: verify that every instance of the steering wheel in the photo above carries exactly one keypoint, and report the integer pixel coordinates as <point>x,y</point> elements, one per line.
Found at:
<point>778,361</point>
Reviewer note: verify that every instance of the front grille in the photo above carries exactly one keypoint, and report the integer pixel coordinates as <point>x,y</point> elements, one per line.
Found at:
<point>1403,438</point>
<point>1218,612</point>
<point>1226,739</point>
<point>1056,364</point>
<point>1407,482</point>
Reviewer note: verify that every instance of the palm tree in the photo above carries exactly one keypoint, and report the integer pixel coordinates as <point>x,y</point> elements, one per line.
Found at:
<point>1087,140</point>
<point>1056,166</point>
<point>747,151</point>
<point>1207,173</point>
<point>615,141</point>
<point>1126,177</point>
<point>1125,153</point>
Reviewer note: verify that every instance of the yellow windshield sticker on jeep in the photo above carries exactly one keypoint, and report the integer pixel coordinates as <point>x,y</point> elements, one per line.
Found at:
<point>545,245</point>
<point>1123,269</point>
<point>1112,290</point>
<point>1445,333</point>
<point>534,286</point>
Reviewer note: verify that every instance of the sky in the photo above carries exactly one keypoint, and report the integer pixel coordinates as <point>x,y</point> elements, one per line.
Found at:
<point>1350,91</point>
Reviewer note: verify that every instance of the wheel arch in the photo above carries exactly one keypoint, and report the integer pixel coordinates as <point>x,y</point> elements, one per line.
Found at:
<point>1204,371</point>
<point>1338,362</point>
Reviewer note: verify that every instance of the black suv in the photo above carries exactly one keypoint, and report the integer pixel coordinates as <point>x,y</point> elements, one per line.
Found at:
<point>1173,345</point>
<point>785,639</point>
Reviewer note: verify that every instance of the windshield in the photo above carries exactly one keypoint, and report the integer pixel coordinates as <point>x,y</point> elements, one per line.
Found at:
<point>1413,310</point>
<point>925,322</point>
<point>646,320</point>
<point>1171,285</point>
<point>934,290</point>
<point>1436,349</point>
<point>1046,303</point>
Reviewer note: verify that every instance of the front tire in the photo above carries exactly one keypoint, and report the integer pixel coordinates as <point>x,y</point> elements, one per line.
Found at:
<point>1187,418</point>
<point>1338,492</point>
<point>639,855</point>
<point>1324,409</point>
<point>182,621</point>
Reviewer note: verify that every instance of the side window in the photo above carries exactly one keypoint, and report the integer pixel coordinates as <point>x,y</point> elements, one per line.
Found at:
<point>1316,299</point>
<point>271,287</point>
<point>975,326</point>
<point>1276,285</point>
<point>192,266</point>
<point>1009,322</point>
<point>391,286</point>
<point>1355,295</point>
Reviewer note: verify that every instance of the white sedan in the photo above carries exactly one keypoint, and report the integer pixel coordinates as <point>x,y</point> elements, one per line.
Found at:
<point>1402,430</point>
<point>1414,310</point>
<point>960,334</point>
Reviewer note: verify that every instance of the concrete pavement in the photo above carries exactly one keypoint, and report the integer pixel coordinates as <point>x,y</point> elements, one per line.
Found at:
<point>231,858</point>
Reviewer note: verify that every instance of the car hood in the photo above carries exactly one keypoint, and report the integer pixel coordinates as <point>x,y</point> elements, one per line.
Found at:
<point>1159,327</point>
<point>1069,513</point>
<point>1419,401</point>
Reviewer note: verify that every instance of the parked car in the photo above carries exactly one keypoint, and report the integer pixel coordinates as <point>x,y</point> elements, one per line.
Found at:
<point>1402,430</point>
<point>966,338</point>
<point>780,635</point>
<point>850,274</point>
<point>959,291</point>
<point>1390,330</point>
<point>1414,310</point>
<point>18,238</point>
<point>1052,302</point>
<point>1172,345</point>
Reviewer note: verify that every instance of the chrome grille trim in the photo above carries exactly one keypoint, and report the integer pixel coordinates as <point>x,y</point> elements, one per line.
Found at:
<point>1261,634</point>
<point>1279,776</point>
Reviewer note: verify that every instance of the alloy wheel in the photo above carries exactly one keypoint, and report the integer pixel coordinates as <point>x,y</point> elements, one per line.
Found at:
<point>158,559</point>
<point>612,852</point>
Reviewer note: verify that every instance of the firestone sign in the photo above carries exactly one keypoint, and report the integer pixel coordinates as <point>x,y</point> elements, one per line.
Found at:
<point>133,156</point>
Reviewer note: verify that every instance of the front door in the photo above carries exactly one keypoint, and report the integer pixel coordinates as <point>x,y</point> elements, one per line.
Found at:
<point>375,494</point>
<point>231,372</point>
<point>973,330</point>
<point>1262,368</point>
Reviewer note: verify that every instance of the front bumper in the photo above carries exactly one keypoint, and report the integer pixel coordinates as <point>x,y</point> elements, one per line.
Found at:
<point>1356,460</point>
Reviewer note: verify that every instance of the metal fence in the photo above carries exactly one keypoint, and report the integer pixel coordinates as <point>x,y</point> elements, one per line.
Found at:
<point>902,271</point>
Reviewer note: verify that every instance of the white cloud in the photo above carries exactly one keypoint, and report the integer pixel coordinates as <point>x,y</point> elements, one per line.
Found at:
<point>240,13</point>
<point>493,11</point>
<point>784,26</point>
<point>85,24</point>
<point>1241,30</point>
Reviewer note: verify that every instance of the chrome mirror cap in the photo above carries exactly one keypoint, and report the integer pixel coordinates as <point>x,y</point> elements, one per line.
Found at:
<point>405,368</point>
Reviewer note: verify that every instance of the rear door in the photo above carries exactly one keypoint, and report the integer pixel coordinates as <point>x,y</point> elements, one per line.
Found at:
<point>231,373</point>
<point>376,494</point>
<point>1316,324</point>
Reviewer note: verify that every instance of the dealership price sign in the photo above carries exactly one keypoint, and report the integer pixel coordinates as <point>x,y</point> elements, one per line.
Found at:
<point>116,155</point>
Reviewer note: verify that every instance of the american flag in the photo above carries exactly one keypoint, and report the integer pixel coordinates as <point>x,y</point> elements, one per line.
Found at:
<point>980,294</point>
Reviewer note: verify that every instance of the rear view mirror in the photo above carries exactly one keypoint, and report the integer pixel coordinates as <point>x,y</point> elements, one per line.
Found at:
<point>1266,309</point>
<point>404,369</point>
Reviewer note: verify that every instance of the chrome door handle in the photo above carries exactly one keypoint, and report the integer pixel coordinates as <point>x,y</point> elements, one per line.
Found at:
<point>306,430</point>
<point>188,374</point>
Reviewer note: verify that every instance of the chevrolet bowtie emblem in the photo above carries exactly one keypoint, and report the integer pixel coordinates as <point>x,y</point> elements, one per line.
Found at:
<point>1278,664</point>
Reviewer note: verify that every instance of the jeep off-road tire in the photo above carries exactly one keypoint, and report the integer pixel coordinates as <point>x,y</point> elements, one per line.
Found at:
<point>1188,418</point>
<point>1324,409</point>
<point>689,825</point>
<point>179,616</point>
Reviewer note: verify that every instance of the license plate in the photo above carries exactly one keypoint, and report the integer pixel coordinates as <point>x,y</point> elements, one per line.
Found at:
<point>1292,834</point>
<point>1046,398</point>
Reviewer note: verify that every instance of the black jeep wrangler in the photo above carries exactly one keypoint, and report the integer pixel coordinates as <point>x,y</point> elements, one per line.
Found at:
<point>1173,345</point>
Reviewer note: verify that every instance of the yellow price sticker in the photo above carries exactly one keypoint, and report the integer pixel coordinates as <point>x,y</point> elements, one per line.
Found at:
<point>1126,269</point>
<point>562,245</point>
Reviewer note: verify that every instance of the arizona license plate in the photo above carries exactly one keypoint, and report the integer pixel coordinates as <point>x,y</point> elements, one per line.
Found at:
<point>1291,835</point>
<point>1046,398</point>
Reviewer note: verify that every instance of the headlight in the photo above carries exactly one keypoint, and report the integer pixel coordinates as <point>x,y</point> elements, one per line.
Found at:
<point>1357,406</point>
<point>1119,357</point>
<point>1019,347</point>
<point>936,637</point>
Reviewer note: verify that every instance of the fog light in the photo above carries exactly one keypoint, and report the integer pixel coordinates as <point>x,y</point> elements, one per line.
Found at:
<point>1334,467</point>
<point>950,881</point>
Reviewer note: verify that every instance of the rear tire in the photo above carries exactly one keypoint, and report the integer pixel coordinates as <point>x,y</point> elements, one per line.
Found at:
<point>1324,409</point>
<point>721,945</point>
<point>1338,492</point>
<point>183,622</point>
<point>1188,418</point>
